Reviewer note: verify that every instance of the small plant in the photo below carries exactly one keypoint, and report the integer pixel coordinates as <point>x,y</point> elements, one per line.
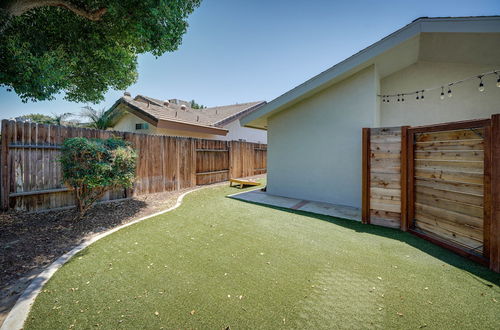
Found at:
<point>94,166</point>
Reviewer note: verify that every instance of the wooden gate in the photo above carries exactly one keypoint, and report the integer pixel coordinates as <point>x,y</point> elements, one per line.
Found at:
<point>449,185</point>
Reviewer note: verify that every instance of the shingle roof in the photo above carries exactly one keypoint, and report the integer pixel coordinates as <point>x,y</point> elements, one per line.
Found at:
<point>214,116</point>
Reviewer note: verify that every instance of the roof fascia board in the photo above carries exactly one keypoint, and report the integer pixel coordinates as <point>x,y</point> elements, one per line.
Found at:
<point>175,125</point>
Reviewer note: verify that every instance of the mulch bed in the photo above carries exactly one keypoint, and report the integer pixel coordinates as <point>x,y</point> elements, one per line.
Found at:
<point>31,241</point>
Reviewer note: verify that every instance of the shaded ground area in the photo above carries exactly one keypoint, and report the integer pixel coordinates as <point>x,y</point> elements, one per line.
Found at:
<point>216,262</point>
<point>31,241</point>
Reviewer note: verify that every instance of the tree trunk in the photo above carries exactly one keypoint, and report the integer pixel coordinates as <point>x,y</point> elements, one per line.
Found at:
<point>19,7</point>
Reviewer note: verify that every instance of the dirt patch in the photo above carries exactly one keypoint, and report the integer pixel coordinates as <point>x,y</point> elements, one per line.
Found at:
<point>31,241</point>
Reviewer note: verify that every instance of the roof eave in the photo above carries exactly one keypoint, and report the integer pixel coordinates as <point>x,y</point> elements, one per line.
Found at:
<point>168,124</point>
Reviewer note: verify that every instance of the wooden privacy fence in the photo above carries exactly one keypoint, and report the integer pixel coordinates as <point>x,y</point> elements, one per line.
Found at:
<point>440,182</point>
<point>31,174</point>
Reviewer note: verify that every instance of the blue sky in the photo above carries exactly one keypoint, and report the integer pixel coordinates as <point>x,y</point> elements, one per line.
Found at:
<point>237,51</point>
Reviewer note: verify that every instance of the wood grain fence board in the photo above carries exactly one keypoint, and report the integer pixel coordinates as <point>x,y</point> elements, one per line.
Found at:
<point>381,176</point>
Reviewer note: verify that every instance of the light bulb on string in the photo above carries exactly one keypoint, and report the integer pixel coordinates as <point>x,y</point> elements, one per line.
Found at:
<point>481,85</point>
<point>422,97</point>
<point>449,91</point>
<point>442,93</point>
<point>498,80</point>
<point>417,96</point>
<point>402,97</point>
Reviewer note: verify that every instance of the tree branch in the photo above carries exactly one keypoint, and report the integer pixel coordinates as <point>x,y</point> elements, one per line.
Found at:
<point>19,7</point>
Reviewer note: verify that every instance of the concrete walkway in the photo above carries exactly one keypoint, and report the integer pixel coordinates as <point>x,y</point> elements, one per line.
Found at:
<point>339,211</point>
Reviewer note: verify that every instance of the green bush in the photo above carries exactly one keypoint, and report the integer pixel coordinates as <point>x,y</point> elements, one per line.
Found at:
<point>94,166</point>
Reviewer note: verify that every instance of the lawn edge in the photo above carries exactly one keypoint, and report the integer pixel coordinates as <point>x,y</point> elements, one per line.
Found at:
<point>18,315</point>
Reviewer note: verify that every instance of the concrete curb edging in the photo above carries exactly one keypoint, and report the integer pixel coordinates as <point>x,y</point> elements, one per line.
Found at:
<point>19,313</point>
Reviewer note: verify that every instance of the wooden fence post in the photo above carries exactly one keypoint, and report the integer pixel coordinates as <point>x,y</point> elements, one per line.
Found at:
<point>404,178</point>
<point>494,233</point>
<point>365,208</point>
<point>5,184</point>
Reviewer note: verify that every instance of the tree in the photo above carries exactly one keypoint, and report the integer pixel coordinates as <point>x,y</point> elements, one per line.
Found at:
<point>195,105</point>
<point>55,119</point>
<point>99,119</point>
<point>59,119</point>
<point>91,167</point>
<point>83,47</point>
<point>36,118</point>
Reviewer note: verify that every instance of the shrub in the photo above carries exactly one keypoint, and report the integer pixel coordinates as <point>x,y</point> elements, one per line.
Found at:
<point>94,166</point>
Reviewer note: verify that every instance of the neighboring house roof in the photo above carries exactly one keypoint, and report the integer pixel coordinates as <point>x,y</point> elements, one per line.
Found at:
<point>366,57</point>
<point>177,114</point>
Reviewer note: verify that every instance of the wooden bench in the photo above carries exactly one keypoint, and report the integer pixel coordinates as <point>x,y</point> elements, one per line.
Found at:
<point>243,182</point>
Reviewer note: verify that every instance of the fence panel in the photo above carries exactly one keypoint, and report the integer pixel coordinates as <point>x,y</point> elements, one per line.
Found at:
<point>383,176</point>
<point>449,184</point>
<point>31,177</point>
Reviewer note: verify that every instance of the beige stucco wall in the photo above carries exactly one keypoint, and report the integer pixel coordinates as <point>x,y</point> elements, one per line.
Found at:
<point>315,145</point>
<point>236,132</point>
<point>466,103</point>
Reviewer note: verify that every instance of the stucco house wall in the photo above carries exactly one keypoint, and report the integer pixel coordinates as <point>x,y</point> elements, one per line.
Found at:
<point>466,101</point>
<point>319,137</point>
<point>236,132</point>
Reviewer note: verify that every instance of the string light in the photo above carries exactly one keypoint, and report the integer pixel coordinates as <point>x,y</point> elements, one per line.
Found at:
<point>420,93</point>
<point>481,85</point>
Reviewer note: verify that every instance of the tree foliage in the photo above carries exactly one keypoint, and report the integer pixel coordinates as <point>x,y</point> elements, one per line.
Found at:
<point>99,119</point>
<point>55,119</point>
<point>83,47</point>
<point>195,105</point>
<point>94,166</point>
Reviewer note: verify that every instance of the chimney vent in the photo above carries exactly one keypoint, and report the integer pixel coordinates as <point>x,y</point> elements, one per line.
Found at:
<point>166,103</point>
<point>183,107</point>
<point>127,94</point>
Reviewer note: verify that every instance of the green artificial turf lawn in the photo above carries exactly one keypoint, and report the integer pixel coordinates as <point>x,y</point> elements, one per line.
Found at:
<point>217,262</point>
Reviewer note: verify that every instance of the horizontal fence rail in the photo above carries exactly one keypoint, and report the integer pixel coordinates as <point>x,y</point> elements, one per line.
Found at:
<point>31,177</point>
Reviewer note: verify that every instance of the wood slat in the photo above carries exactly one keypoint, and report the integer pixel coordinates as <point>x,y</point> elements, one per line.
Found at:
<point>464,208</point>
<point>463,134</point>
<point>450,155</point>
<point>477,144</point>
<point>440,214</point>
<point>466,188</point>
<point>453,165</point>
<point>450,195</point>
<point>453,176</point>
<point>463,241</point>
